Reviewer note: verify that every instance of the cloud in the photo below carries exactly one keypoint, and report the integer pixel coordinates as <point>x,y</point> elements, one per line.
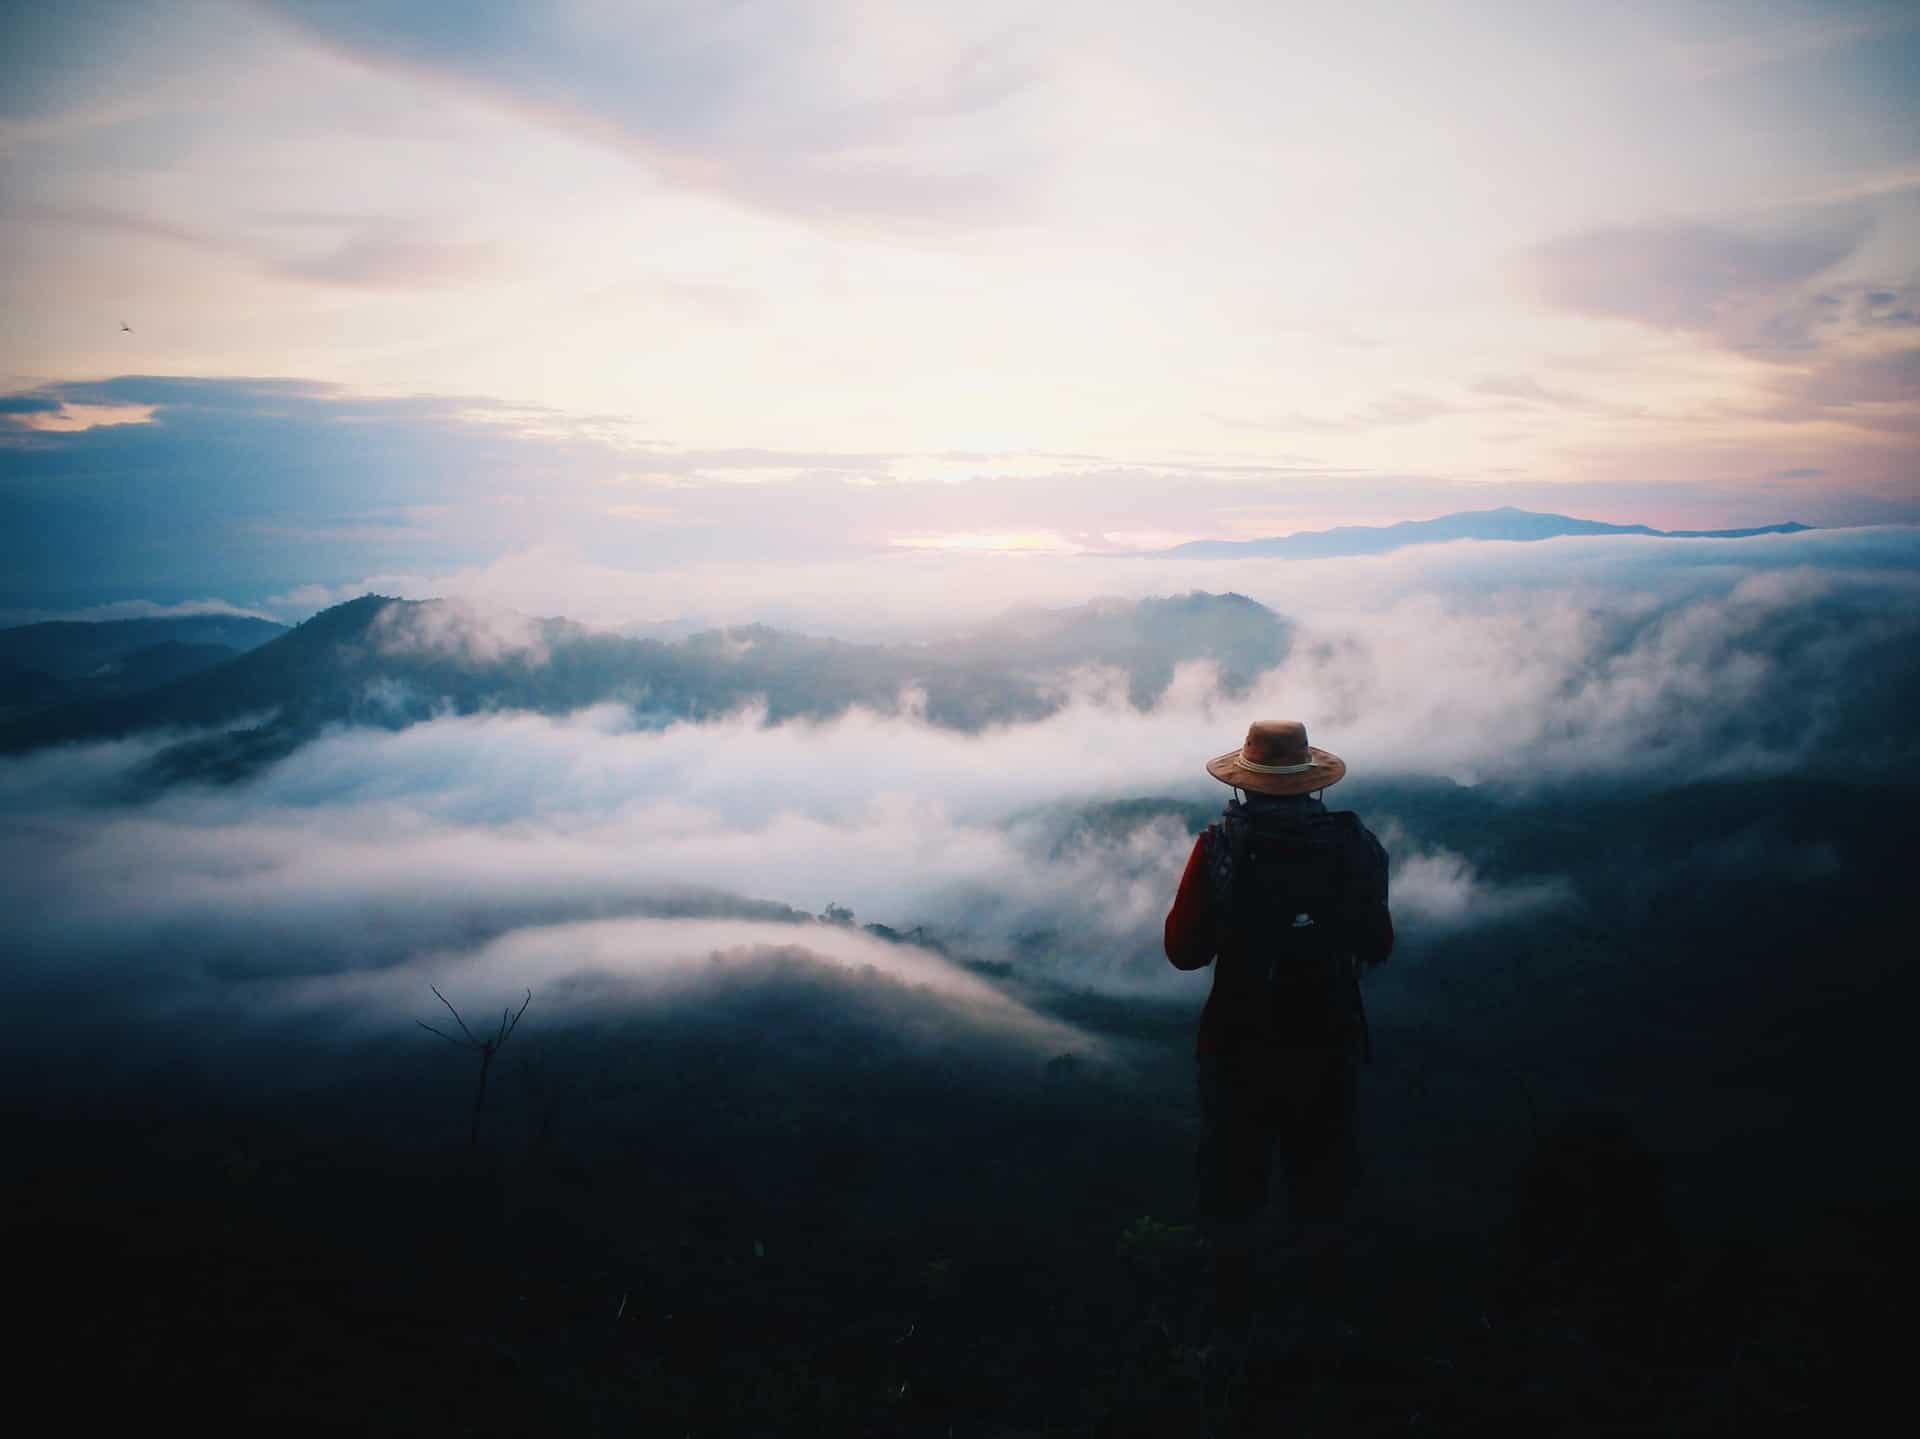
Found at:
<point>671,466</point>
<point>1769,43</point>
<point>1528,391</point>
<point>1886,377</point>
<point>829,113</point>
<point>255,487</point>
<point>669,961</point>
<point>1767,295</point>
<point>248,476</point>
<point>1742,288</point>
<point>42,412</point>
<point>1402,407</point>
<point>1524,387</point>
<point>381,253</point>
<point>1436,889</point>
<point>906,595</point>
<point>390,258</point>
<point>459,632</point>
<point>1839,312</point>
<point>134,610</point>
<point>1894,309</point>
<point>665,873</point>
<point>1876,390</point>
<point>327,910</point>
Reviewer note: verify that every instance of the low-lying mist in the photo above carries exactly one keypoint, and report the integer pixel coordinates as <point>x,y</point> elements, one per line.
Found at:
<point>500,851</point>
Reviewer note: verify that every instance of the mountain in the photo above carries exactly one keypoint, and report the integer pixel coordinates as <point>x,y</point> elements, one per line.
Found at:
<point>390,663</point>
<point>1505,523</point>
<point>62,661</point>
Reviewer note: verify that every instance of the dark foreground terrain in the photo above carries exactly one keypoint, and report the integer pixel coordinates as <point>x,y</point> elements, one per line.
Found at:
<point>1638,1166</point>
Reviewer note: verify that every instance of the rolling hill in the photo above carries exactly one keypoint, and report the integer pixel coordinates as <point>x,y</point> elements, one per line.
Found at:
<point>63,661</point>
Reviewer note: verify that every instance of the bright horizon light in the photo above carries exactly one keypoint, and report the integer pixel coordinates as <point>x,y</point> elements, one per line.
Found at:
<point>669,281</point>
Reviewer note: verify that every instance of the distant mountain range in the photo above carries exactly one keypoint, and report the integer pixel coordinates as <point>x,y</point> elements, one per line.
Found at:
<point>252,690</point>
<point>1505,523</point>
<point>63,661</point>
<point>390,663</point>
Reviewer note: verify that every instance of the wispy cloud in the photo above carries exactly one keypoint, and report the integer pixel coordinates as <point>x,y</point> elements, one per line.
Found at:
<point>1764,45</point>
<point>46,415</point>
<point>829,113</point>
<point>1401,407</point>
<point>1524,392</point>
<point>1731,285</point>
<point>1777,296</point>
<point>136,610</point>
<point>382,252</point>
<point>1876,390</point>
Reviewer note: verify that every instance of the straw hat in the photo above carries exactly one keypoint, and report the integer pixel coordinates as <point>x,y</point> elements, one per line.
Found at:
<point>1276,759</point>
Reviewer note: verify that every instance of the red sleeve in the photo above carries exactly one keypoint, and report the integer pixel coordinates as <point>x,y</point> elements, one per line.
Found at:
<point>1190,938</point>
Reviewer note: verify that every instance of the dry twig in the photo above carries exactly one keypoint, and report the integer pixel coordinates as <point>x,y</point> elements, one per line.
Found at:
<point>487,1048</point>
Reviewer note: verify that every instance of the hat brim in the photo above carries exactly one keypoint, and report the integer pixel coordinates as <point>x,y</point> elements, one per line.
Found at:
<point>1328,768</point>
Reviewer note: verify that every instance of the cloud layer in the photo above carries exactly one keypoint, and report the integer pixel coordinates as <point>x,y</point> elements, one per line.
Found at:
<point>496,851</point>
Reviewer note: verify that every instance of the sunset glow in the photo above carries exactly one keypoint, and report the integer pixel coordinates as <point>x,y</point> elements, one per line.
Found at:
<point>1050,543</point>
<point>963,278</point>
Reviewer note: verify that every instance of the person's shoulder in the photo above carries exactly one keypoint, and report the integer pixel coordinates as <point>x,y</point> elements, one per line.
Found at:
<point>1223,833</point>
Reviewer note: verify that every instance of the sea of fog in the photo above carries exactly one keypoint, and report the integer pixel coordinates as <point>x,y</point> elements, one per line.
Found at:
<point>490,854</point>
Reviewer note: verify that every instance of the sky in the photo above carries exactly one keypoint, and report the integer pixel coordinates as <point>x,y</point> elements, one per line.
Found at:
<point>297,295</point>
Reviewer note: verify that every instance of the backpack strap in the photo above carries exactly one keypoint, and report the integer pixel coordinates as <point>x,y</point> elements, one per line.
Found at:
<point>1226,851</point>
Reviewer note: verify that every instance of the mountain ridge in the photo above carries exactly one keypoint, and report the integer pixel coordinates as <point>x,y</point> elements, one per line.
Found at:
<point>389,663</point>
<point>58,662</point>
<point>1507,522</point>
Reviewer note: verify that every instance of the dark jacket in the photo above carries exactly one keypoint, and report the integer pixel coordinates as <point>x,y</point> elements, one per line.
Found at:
<point>1206,922</point>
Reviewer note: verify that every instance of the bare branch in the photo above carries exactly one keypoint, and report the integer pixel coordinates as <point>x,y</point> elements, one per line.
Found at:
<point>441,1032</point>
<point>456,1015</point>
<point>507,1033</point>
<point>509,1021</point>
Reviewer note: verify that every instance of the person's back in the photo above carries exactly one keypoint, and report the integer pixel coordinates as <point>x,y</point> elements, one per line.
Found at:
<point>1290,899</point>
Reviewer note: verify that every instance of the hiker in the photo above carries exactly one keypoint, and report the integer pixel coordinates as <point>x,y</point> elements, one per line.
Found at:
<point>1291,897</point>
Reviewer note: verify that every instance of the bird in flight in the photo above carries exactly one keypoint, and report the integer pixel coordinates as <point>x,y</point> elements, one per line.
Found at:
<point>126,327</point>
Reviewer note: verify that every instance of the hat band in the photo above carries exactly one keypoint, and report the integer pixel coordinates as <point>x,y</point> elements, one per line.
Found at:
<point>1246,763</point>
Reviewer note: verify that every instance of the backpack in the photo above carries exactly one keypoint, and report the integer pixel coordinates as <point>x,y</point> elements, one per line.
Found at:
<point>1287,888</point>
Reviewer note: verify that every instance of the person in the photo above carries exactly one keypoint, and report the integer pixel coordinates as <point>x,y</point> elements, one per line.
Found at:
<point>1288,900</point>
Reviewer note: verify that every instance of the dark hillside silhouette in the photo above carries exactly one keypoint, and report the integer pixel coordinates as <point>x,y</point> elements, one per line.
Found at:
<point>61,661</point>
<point>388,663</point>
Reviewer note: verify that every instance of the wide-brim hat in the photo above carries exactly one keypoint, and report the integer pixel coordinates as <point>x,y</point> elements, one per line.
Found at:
<point>1276,759</point>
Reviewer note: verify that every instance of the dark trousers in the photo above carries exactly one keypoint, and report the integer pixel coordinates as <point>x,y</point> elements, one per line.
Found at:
<point>1256,1106</point>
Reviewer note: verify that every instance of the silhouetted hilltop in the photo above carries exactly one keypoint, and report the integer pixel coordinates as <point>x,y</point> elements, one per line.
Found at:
<point>1504,523</point>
